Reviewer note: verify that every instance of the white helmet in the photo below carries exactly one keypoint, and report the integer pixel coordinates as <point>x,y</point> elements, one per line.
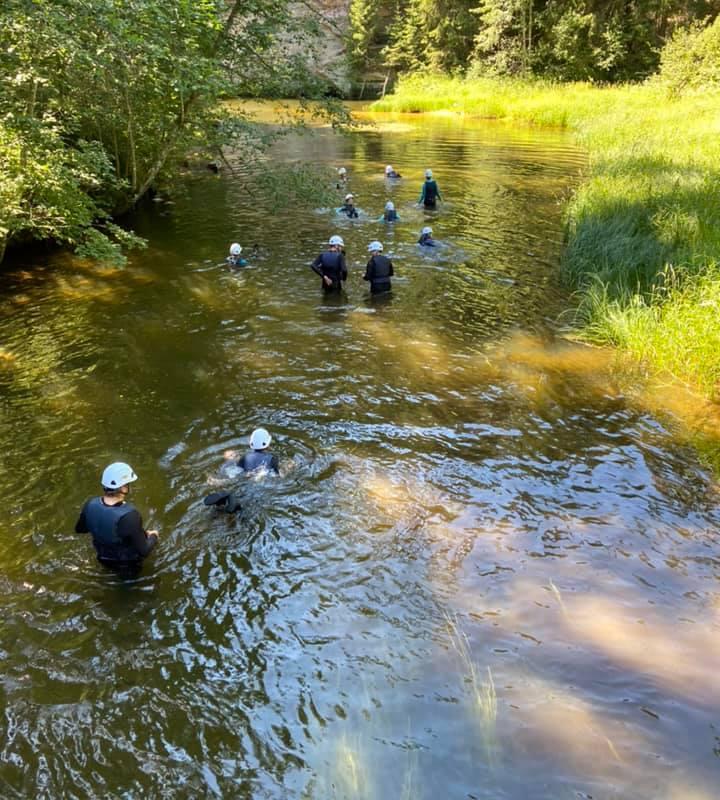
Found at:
<point>235,249</point>
<point>349,197</point>
<point>388,169</point>
<point>428,173</point>
<point>260,439</point>
<point>426,230</point>
<point>389,206</point>
<point>336,241</point>
<point>342,171</point>
<point>116,475</point>
<point>375,247</point>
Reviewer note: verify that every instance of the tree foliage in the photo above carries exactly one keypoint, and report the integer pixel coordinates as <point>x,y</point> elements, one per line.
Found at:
<point>99,97</point>
<point>691,60</point>
<point>593,40</point>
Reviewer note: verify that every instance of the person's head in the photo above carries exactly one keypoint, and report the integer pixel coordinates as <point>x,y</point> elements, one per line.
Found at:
<point>389,206</point>
<point>426,231</point>
<point>116,479</point>
<point>349,199</point>
<point>342,172</point>
<point>235,249</point>
<point>375,247</point>
<point>428,174</point>
<point>389,170</point>
<point>260,439</point>
<point>336,242</point>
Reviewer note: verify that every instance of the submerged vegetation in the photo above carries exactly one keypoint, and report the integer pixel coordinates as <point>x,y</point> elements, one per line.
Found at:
<point>644,228</point>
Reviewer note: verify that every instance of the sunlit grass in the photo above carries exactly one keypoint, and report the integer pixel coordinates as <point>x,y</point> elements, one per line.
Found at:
<point>649,207</point>
<point>484,697</point>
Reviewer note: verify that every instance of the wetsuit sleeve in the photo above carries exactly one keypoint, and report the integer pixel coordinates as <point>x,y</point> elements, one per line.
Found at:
<point>437,192</point>
<point>343,267</point>
<point>242,463</point>
<point>131,530</point>
<point>422,194</point>
<point>392,271</point>
<point>317,265</point>
<point>368,271</point>
<point>275,464</point>
<point>81,524</point>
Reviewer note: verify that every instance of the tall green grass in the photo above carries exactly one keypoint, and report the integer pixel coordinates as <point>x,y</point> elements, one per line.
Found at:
<point>644,227</point>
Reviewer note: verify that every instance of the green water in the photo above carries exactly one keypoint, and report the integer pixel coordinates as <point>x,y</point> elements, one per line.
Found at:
<point>483,572</point>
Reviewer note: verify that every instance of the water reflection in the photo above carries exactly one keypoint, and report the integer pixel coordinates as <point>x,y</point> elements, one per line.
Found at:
<point>488,566</point>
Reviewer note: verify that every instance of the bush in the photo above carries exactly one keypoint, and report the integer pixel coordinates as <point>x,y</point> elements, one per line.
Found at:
<point>691,60</point>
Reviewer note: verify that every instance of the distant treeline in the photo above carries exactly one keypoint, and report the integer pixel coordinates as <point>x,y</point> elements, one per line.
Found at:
<point>567,40</point>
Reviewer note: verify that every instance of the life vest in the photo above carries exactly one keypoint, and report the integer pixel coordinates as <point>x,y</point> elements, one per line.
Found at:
<point>431,193</point>
<point>102,522</point>
<point>391,216</point>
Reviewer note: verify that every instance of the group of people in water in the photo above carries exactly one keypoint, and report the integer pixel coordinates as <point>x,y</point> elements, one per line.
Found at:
<point>120,540</point>
<point>330,265</point>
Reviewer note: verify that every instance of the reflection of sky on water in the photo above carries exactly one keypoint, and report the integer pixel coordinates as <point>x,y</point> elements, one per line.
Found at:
<point>468,517</point>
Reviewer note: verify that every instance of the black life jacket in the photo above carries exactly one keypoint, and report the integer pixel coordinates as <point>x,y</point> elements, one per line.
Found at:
<point>350,211</point>
<point>381,269</point>
<point>391,216</point>
<point>256,459</point>
<point>431,193</point>
<point>102,522</point>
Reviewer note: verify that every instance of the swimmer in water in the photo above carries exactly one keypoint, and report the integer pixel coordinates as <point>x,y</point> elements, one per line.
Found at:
<point>330,265</point>
<point>391,173</point>
<point>379,269</point>
<point>234,259</point>
<point>390,214</point>
<point>430,194</point>
<point>348,208</point>
<point>426,239</point>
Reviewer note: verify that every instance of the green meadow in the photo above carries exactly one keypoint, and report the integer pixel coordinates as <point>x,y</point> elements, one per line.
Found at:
<point>643,230</point>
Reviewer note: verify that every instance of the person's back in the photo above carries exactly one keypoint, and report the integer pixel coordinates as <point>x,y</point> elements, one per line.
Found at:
<point>379,269</point>
<point>256,459</point>
<point>331,267</point>
<point>118,536</point>
<point>430,192</point>
<point>259,456</point>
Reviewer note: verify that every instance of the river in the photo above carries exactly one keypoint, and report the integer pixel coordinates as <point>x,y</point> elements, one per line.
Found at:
<point>485,571</point>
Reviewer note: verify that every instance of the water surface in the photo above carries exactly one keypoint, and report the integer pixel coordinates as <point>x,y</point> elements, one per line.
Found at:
<point>483,573</point>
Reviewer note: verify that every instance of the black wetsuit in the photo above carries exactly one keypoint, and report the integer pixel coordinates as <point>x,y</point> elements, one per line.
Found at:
<point>426,240</point>
<point>393,174</point>
<point>378,271</point>
<point>332,265</point>
<point>118,535</point>
<point>259,458</point>
<point>349,211</point>
<point>430,194</point>
<point>390,216</point>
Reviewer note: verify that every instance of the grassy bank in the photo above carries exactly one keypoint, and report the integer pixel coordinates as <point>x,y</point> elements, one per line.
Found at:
<point>644,228</point>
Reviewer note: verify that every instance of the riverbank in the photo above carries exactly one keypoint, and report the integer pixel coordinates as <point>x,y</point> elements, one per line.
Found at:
<point>643,246</point>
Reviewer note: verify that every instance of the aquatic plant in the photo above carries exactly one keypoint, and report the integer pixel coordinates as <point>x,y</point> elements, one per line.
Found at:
<point>484,697</point>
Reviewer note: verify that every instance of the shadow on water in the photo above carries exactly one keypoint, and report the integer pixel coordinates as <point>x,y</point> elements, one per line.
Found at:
<point>487,569</point>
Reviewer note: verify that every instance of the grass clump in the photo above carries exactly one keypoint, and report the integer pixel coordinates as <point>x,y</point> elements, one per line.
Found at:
<point>643,230</point>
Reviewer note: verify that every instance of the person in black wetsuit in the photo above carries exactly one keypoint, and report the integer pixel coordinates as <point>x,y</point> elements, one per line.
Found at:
<point>348,208</point>
<point>330,266</point>
<point>426,238</point>
<point>390,214</point>
<point>120,541</point>
<point>259,456</point>
<point>430,194</point>
<point>379,269</point>
<point>391,173</point>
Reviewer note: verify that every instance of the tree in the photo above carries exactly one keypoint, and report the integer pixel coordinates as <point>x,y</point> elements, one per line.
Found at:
<point>100,96</point>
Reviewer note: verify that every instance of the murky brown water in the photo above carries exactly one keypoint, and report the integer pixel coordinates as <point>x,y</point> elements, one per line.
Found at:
<point>484,572</point>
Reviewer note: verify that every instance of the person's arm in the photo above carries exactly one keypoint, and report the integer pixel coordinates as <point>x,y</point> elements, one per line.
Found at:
<point>392,271</point>
<point>437,192</point>
<point>422,194</point>
<point>343,268</point>
<point>368,270</point>
<point>275,464</point>
<point>130,529</point>
<point>81,524</point>
<point>317,265</point>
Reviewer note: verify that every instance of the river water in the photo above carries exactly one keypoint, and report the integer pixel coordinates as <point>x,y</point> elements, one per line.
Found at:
<point>484,572</point>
